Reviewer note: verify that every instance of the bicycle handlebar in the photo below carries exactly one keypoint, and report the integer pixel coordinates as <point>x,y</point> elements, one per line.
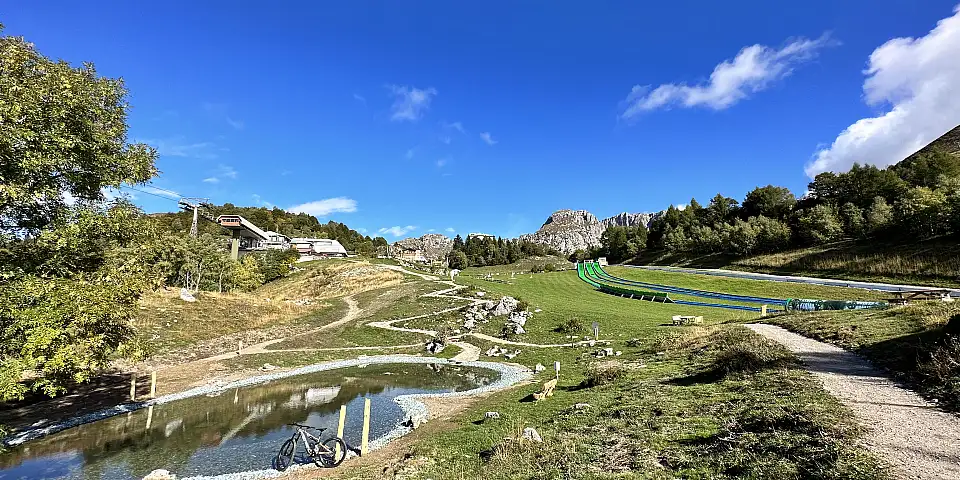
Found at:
<point>305,426</point>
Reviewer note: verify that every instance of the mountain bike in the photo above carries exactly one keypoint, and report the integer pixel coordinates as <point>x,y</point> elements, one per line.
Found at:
<point>325,453</point>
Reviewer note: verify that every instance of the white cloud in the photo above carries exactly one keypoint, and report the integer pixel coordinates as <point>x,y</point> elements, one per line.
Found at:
<point>441,162</point>
<point>446,140</point>
<point>409,154</point>
<point>410,102</point>
<point>752,70</point>
<point>454,126</point>
<point>398,231</point>
<point>211,180</point>
<point>236,124</point>
<point>359,98</point>
<point>918,79</point>
<point>322,208</point>
<point>488,138</point>
<point>432,230</point>
<point>178,147</point>
<point>226,171</point>
<point>450,230</point>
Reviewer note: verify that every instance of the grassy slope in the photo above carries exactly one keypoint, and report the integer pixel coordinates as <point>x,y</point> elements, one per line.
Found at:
<point>932,262</point>
<point>910,341</point>
<point>671,414</point>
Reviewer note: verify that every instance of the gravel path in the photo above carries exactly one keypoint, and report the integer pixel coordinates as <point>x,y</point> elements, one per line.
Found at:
<point>911,434</point>
<point>469,352</point>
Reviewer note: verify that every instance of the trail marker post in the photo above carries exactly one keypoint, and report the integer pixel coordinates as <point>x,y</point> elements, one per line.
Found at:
<point>366,427</point>
<point>153,384</point>
<point>596,330</point>
<point>763,311</point>
<point>556,366</point>
<point>133,387</point>
<point>343,418</point>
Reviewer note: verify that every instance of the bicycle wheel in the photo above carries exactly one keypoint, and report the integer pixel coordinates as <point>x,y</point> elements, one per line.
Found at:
<point>330,452</point>
<point>285,456</point>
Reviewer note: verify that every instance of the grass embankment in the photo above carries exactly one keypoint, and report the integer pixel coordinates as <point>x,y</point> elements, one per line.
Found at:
<point>695,402</point>
<point>306,299</point>
<point>932,262</point>
<point>918,343</point>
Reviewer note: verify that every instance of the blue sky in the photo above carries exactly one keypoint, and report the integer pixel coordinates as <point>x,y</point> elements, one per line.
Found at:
<point>407,117</point>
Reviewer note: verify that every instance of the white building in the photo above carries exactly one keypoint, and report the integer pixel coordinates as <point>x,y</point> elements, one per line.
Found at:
<point>323,247</point>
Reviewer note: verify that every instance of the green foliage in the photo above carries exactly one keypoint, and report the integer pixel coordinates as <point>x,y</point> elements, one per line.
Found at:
<point>62,136</point>
<point>819,224</point>
<point>623,243</point>
<point>538,268</point>
<point>457,259</point>
<point>570,326</point>
<point>603,373</point>
<point>578,256</point>
<point>879,216</point>
<point>484,251</point>
<point>854,223</point>
<point>769,201</point>
<point>57,332</point>
<point>247,275</point>
<point>923,212</point>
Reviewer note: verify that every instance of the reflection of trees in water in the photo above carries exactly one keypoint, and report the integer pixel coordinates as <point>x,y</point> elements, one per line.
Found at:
<point>178,429</point>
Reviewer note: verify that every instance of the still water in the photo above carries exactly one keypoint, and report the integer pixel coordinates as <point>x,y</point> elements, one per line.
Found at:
<point>235,431</point>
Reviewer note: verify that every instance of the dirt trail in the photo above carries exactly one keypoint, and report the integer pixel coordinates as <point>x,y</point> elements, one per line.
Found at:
<point>911,434</point>
<point>353,311</point>
<point>469,352</point>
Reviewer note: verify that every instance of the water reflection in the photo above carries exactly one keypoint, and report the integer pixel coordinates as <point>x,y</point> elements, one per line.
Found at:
<point>235,430</point>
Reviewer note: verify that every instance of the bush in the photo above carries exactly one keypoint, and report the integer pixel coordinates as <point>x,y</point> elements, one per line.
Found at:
<point>570,326</point>
<point>743,352</point>
<point>550,267</point>
<point>522,305</point>
<point>604,373</point>
<point>538,268</point>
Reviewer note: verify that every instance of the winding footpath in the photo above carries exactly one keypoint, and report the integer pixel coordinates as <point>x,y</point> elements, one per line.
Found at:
<point>912,435</point>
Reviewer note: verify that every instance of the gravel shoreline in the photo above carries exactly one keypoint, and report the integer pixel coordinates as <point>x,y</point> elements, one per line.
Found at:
<point>414,409</point>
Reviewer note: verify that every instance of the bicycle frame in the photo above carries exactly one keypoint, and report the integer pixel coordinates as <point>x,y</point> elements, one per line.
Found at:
<point>305,437</point>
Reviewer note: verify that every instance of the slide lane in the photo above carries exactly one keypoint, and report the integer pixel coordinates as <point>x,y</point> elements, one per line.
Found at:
<point>603,275</point>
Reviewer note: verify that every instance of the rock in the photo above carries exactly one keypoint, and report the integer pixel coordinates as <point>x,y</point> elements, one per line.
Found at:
<point>481,294</point>
<point>433,246</point>
<point>537,311</point>
<point>491,416</point>
<point>539,368</point>
<point>494,351</point>
<point>618,353</point>
<point>531,434</point>
<point>456,332</point>
<point>489,305</point>
<point>591,342</point>
<point>520,318</point>
<point>186,296</point>
<point>571,230</point>
<point>469,324</point>
<point>160,474</point>
<point>268,367</point>
<point>608,351</point>
<point>511,355</point>
<point>506,306</point>
<point>435,346</point>
<point>581,406</point>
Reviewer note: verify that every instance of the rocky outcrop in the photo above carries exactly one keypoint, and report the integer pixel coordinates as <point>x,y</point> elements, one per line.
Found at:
<point>433,245</point>
<point>571,230</point>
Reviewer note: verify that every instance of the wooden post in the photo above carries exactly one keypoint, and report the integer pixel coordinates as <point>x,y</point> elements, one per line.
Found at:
<point>343,419</point>
<point>149,416</point>
<point>153,384</point>
<point>763,311</point>
<point>239,346</point>
<point>366,427</point>
<point>133,387</point>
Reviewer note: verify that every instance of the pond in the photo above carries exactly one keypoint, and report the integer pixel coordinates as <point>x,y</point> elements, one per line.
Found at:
<point>234,430</point>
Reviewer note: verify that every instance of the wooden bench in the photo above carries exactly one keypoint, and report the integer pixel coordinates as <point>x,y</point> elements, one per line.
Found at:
<point>547,391</point>
<point>904,297</point>
<point>687,320</point>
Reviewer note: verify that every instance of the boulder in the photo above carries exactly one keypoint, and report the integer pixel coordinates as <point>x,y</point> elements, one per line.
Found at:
<point>186,296</point>
<point>481,294</point>
<point>531,434</point>
<point>539,368</point>
<point>435,346</point>
<point>267,367</point>
<point>491,416</point>
<point>469,324</point>
<point>581,406</point>
<point>506,306</point>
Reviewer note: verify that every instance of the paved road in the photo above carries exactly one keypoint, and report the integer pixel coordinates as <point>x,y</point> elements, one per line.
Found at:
<point>911,434</point>
<point>830,282</point>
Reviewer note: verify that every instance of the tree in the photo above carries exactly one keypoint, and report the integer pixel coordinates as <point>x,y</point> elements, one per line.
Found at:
<point>578,256</point>
<point>926,168</point>
<point>720,210</point>
<point>879,215</point>
<point>923,212</point>
<point>457,259</point>
<point>770,201</point>
<point>247,275</point>
<point>854,224</point>
<point>819,224</point>
<point>62,137</point>
<point>740,238</point>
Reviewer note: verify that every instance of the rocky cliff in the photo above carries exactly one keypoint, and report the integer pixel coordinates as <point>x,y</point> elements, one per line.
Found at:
<point>571,230</point>
<point>433,245</point>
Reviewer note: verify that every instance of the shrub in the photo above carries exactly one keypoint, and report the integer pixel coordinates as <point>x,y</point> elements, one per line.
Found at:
<point>550,267</point>
<point>604,373</point>
<point>538,268</point>
<point>570,326</point>
<point>522,305</point>
<point>743,352</point>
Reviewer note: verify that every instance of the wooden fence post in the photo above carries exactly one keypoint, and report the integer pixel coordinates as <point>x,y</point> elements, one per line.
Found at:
<point>133,387</point>
<point>343,419</point>
<point>763,311</point>
<point>153,384</point>
<point>366,427</point>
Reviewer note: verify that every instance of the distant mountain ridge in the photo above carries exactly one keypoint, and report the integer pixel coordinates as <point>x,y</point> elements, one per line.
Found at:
<point>572,230</point>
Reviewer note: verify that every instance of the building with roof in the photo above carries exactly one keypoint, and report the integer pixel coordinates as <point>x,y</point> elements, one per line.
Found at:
<point>323,247</point>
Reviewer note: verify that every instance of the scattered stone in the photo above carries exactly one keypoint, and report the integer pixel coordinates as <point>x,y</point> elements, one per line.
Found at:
<point>506,306</point>
<point>537,311</point>
<point>531,434</point>
<point>491,416</point>
<point>618,353</point>
<point>539,368</point>
<point>469,324</point>
<point>512,355</point>
<point>481,294</point>
<point>186,296</point>
<point>456,332</point>
<point>608,351</point>
<point>268,367</point>
<point>591,343</point>
<point>581,406</point>
<point>160,474</point>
